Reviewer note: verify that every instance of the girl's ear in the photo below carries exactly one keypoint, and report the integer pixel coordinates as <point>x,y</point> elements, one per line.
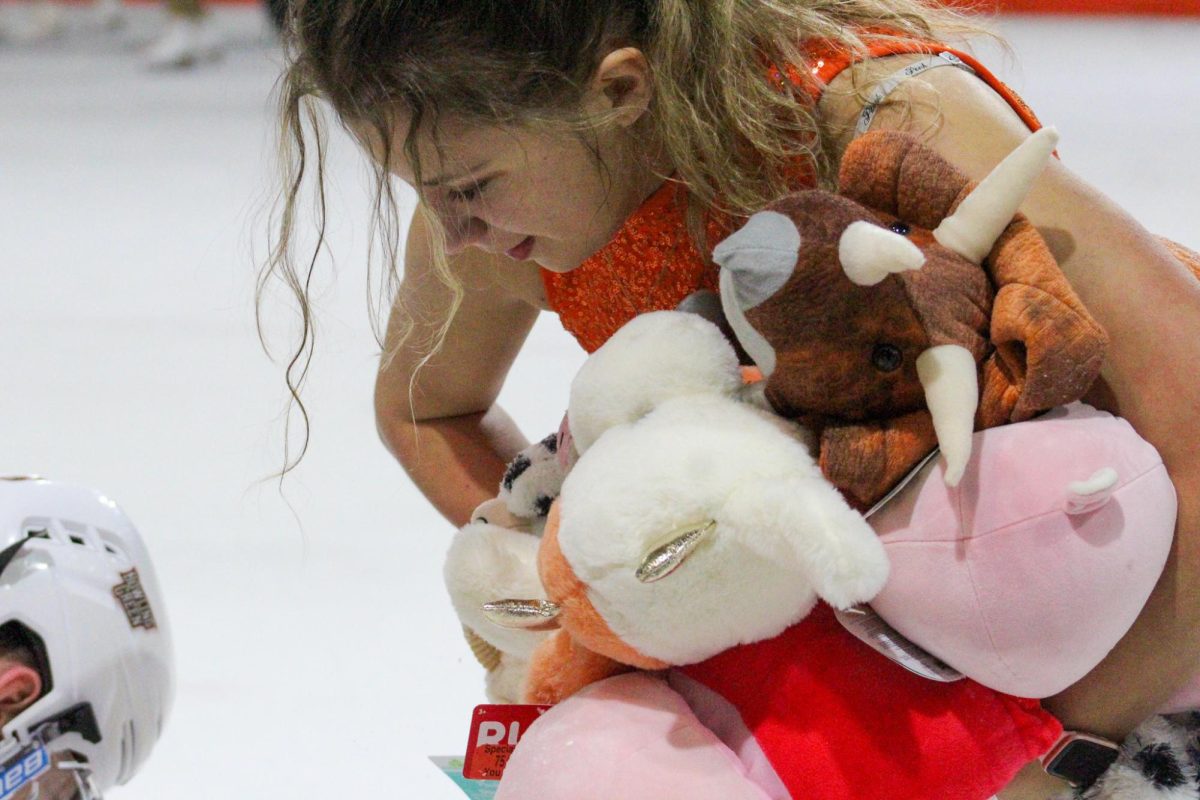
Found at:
<point>19,687</point>
<point>622,84</point>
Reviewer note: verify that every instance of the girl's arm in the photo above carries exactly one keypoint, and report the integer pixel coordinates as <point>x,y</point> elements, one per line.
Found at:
<point>445,427</point>
<point>1150,305</point>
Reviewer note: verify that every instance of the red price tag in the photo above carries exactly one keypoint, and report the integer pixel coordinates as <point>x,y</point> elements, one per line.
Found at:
<point>495,731</point>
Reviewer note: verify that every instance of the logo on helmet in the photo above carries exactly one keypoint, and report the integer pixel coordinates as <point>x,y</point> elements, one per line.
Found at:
<point>28,765</point>
<point>133,599</point>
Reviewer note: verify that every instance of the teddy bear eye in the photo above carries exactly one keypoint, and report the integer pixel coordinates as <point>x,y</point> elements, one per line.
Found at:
<point>900,228</point>
<point>887,357</point>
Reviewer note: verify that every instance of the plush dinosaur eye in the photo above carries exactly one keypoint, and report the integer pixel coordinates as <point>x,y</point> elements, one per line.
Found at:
<point>900,228</point>
<point>887,357</point>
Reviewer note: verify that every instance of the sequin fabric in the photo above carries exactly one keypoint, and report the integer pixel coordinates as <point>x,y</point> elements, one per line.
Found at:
<point>652,265</point>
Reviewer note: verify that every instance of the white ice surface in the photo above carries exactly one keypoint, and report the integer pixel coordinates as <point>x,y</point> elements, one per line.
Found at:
<point>319,658</point>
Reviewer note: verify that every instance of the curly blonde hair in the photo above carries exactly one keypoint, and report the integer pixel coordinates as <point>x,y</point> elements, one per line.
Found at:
<point>732,132</point>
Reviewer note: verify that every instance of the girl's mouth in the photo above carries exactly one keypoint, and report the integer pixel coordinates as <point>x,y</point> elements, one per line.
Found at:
<point>521,251</point>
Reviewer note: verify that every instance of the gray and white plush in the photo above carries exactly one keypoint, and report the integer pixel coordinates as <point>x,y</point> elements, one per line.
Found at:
<point>532,481</point>
<point>1159,761</point>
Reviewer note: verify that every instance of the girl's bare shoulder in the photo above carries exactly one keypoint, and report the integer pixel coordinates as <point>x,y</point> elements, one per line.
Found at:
<point>954,111</point>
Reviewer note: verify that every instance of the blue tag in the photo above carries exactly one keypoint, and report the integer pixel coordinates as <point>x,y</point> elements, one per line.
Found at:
<point>452,766</point>
<point>27,766</point>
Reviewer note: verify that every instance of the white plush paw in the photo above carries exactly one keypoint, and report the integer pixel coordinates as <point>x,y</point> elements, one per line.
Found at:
<point>505,684</point>
<point>844,557</point>
<point>485,563</point>
<point>854,575</point>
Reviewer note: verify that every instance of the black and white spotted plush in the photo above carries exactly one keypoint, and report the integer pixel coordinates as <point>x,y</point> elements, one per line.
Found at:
<point>533,479</point>
<point>1159,761</point>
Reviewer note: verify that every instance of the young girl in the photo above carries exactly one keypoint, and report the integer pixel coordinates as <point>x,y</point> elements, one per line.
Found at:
<point>582,156</point>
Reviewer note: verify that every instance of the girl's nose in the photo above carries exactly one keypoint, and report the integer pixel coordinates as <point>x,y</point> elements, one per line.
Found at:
<point>463,232</point>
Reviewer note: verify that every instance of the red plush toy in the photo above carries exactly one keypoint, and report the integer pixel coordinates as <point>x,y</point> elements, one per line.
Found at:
<point>837,721</point>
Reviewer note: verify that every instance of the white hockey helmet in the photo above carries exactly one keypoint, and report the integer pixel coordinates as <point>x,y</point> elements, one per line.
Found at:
<point>76,578</point>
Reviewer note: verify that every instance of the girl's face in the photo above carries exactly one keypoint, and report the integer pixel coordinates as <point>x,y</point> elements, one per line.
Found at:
<point>546,195</point>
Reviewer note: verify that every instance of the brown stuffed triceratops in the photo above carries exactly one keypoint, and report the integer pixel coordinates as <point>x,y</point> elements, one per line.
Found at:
<point>908,310</point>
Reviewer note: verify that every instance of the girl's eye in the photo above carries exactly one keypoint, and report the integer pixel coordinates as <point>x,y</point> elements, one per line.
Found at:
<point>469,192</point>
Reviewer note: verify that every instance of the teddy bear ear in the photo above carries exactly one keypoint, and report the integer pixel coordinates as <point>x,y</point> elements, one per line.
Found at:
<point>895,174</point>
<point>761,256</point>
<point>653,358</point>
<point>1049,345</point>
<point>756,262</point>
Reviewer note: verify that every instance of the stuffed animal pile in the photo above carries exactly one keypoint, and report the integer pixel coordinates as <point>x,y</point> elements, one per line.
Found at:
<point>696,533</point>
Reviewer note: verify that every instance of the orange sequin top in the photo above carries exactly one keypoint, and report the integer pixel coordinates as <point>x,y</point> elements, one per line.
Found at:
<point>651,264</point>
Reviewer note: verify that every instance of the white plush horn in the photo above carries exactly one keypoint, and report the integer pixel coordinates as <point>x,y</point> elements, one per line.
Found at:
<point>870,253</point>
<point>523,614</point>
<point>984,214</point>
<point>952,393</point>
